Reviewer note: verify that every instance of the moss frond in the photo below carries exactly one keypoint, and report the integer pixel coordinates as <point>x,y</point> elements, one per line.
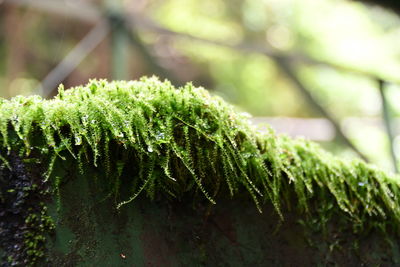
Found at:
<point>184,140</point>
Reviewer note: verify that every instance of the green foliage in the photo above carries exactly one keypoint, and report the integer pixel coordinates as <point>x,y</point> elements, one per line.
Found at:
<point>179,141</point>
<point>40,224</point>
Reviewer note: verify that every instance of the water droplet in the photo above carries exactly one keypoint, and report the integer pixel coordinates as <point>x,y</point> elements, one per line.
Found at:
<point>234,144</point>
<point>160,136</point>
<point>247,155</point>
<point>15,118</point>
<point>205,125</point>
<point>150,149</point>
<point>85,119</point>
<point>78,140</point>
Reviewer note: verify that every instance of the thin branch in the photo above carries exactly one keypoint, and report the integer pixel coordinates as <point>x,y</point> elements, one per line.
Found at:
<point>83,11</point>
<point>388,123</point>
<point>144,51</point>
<point>145,23</point>
<point>75,57</point>
<point>290,73</point>
<point>119,47</point>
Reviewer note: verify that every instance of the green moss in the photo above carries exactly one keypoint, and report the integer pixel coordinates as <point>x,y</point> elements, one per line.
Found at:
<point>184,141</point>
<point>41,224</point>
<point>24,223</point>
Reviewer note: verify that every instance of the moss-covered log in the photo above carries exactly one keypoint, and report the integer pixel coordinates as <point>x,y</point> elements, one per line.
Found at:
<point>97,148</point>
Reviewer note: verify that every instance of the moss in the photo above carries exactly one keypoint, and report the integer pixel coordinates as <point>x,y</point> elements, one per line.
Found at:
<point>24,224</point>
<point>183,141</point>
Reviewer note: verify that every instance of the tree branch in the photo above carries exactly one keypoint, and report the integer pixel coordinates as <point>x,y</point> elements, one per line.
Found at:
<point>72,60</point>
<point>290,73</point>
<point>388,123</point>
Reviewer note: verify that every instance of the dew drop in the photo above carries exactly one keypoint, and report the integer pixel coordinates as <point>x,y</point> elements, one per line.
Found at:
<point>160,136</point>
<point>247,155</point>
<point>15,118</point>
<point>85,119</point>
<point>78,140</point>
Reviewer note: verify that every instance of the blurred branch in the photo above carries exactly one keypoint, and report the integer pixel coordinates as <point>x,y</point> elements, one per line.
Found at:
<point>290,73</point>
<point>316,129</point>
<point>295,57</point>
<point>14,30</point>
<point>388,123</point>
<point>83,12</point>
<point>89,13</point>
<point>119,48</point>
<point>72,60</point>
<point>392,4</point>
<point>144,51</point>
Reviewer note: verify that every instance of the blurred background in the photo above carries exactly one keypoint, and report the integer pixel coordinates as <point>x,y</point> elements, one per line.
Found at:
<point>326,70</point>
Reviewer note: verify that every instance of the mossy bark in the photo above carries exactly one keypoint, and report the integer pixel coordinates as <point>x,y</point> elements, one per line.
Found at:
<point>24,223</point>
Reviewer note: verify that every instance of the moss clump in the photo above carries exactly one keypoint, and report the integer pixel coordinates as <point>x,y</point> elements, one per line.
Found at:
<point>181,141</point>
